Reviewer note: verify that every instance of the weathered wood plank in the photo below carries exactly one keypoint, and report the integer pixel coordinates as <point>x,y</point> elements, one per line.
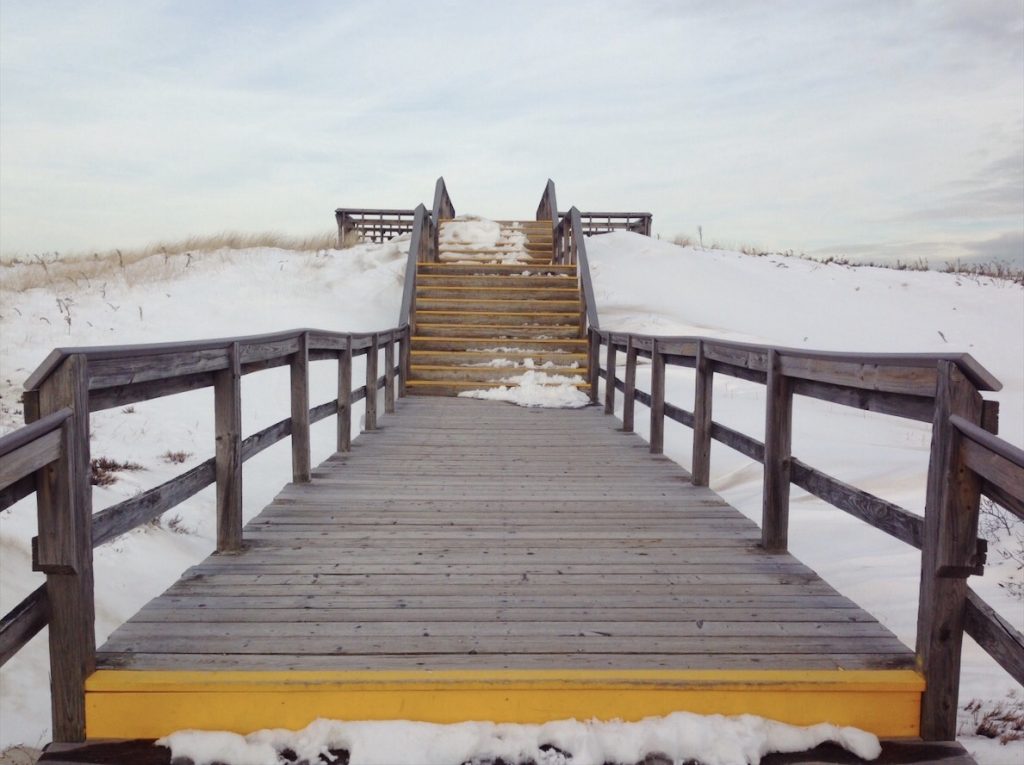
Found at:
<point>1000,639</point>
<point>23,622</point>
<point>299,379</point>
<point>227,407</point>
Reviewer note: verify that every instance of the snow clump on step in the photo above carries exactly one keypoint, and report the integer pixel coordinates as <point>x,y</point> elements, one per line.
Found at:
<point>681,736</point>
<point>534,389</point>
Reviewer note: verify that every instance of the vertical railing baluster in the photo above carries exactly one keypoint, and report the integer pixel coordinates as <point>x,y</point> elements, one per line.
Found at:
<point>593,362</point>
<point>629,388</point>
<point>657,437</point>
<point>389,374</point>
<point>227,415</point>
<point>704,386</point>
<point>64,551</point>
<point>345,397</point>
<point>778,439</point>
<point>609,380</point>
<point>371,383</point>
<point>301,467</point>
<point>948,555</point>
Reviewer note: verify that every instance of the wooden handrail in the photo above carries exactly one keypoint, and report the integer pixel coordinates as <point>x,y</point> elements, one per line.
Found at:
<point>966,462</point>
<point>604,222</point>
<point>548,210</point>
<point>442,208</point>
<point>50,456</point>
<point>376,224</point>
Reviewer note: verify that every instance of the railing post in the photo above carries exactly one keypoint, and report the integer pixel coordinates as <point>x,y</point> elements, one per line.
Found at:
<point>701,467</point>
<point>65,555</point>
<point>778,438</point>
<point>227,415</point>
<point>404,359</point>
<point>389,375</point>
<point>345,397</point>
<point>593,362</point>
<point>609,380</point>
<point>657,437</point>
<point>301,468</point>
<point>948,554</point>
<point>629,388</point>
<point>371,384</point>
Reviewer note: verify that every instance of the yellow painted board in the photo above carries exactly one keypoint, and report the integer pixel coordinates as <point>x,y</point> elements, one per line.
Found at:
<point>124,704</point>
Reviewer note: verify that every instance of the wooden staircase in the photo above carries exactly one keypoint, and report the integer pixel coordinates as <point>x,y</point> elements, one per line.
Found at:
<point>483,316</point>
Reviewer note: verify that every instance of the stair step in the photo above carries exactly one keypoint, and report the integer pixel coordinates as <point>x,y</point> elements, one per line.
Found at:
<point>484,374</point>
<point>454,387</point>
<point>496,281</point>
<point>518,306</point>
<point>502,318</point>
<point>495,334</point>
<point>463,358</point>
<point>544,294</point>
<point>423,344</point>
<point>472,269</point>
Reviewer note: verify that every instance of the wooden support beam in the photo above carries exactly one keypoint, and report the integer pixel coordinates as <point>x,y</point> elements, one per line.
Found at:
<point>657,437</point>
<point>389,376</point>
<point>609,380</point>
<point>65,531</point>
<point>701,467</point>
<point>227,415</point>
<point>593,363</point>
<point>300,411</point>
<point>404,360</point>
<point>949,553</point>
<point>371,384</point>
<point>629,387</point>
<point>345,397</point>
<point>778,439</point>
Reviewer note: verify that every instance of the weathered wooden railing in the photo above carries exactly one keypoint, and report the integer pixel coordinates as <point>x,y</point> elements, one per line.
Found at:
<point>548,210</point>
<point>606,222</point>
<point>375,225</point>
<point>423,248</point>
<point>966,461</point>
<point>50,457</point>
<point>442,209</point>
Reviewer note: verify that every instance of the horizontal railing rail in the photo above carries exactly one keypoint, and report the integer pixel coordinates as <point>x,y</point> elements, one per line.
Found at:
<point>967,461</point>
<point>372,224</point>
<point>605,222</point>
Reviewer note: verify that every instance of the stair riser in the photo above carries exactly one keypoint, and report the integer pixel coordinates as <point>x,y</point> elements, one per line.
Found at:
<point>497,319</point>
<point>544,295</point>
<point>539,283</point>
<point>456,359</point>
<point>460,269</point>
<point>495,335</point>
<point>424,388</point>
<point>499,306</point>
<point>486,374</point>
<point>523,345</point>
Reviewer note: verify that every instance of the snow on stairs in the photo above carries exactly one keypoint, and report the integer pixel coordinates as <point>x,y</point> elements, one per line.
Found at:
<point>486,314</point>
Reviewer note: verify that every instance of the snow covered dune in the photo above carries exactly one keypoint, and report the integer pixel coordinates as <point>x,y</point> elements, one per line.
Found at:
<point>648,286</point>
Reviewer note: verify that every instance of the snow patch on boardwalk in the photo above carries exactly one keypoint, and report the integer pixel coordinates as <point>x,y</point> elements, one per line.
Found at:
<point>712,739</point>
<point>535,389</point>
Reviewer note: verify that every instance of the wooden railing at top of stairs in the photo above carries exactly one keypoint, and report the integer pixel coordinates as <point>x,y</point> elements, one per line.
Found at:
<point>50,457</point>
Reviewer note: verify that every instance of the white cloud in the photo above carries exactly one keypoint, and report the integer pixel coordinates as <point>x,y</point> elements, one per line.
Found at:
<point>802,125</point>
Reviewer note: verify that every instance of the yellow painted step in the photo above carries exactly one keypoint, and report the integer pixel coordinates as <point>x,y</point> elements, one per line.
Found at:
<point>150,704</point>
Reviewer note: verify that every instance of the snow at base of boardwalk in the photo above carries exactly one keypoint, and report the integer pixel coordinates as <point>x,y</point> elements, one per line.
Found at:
<point>529,389</point>
<point>711,739</point>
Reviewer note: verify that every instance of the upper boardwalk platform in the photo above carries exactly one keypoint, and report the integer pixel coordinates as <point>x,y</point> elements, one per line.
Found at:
<point>476,560</point>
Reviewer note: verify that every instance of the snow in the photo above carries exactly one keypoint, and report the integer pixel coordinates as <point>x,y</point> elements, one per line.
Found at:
<point>714,739</point>
<point>535,389</point>
<point>199,296</point>
<point>642,285</point>
<point>647,286</point>
<point>460,239</point>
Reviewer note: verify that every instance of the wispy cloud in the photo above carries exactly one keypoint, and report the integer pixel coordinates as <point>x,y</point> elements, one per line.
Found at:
<point>795,124</point>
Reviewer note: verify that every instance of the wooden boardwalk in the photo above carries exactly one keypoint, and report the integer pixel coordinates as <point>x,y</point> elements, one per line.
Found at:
<point>476,548</point>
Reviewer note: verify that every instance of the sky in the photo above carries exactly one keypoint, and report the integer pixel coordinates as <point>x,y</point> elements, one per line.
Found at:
<point>874,129</point>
